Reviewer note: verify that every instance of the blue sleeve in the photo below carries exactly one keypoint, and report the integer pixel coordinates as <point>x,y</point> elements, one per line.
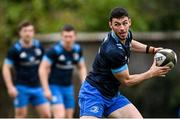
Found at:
<point>117,61</point>
<point>50,56</point>
<point>39,45</point>
<point>81,57</point>
<point>78,56</point>
<point>12,56</point>
<point>119,69</point>
<point>8,61</point>
<point>42,49</point>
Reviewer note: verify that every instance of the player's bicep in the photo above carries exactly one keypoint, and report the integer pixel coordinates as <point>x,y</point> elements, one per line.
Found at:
<point>7,66</point>
<point>47,59</point>
<point>122,76</point>
<point>81,64</point>
<point>80,58</point>
<point>45,66</point>
<point>6,71</point>
<point>137,46</point>
<point>46,62</point>
<point>8,61</point>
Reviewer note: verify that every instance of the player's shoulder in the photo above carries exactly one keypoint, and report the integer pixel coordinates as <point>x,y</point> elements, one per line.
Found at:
<point>36,43</point>
<point>109,47</point>
<point>57,47</point>
<point>76,47</point>
<point>16,46</point>
<point>107,44</point>
<point>113,52</point>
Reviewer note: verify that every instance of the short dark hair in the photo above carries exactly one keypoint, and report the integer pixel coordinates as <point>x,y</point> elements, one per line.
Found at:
<point>24,24</point>
<point>118,12</point>
<point>68,27</point>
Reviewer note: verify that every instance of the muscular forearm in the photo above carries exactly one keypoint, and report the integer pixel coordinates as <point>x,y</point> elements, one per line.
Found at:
<point>138,47</point>
<point>43,75</point>
<point>125,78</point>
<point>137,78</point>
<point>82,71</point>
<point>82,74</point>
<point>142,48</point>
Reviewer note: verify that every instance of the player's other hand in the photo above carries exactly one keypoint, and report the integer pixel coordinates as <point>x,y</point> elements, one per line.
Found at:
<point>48,94</point>
<point>158,71</point>
<point>12,92</point>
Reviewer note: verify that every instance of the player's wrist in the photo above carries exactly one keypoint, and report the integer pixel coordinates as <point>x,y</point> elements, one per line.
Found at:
<point>150,50</point>
<point>153,50</point>
<point>47,89</point>
<point>150,73</point>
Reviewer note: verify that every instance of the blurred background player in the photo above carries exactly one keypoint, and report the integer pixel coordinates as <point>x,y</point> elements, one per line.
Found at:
<point>57,66</point>
<point>25,56</point>
<point>99,93</point>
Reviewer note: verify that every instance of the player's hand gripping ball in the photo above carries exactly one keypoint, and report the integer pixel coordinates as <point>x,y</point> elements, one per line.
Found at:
<point>166,57</point>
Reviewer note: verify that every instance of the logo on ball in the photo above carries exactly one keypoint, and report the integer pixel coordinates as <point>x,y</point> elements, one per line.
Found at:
<point>166,57</point>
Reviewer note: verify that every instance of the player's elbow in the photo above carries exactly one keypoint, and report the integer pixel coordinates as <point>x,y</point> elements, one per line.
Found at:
<point>4,67</point>
<point>44,69</point>
<point>126,82</point>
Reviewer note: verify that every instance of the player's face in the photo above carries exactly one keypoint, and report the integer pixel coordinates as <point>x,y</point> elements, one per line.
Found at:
<point>27,33</point>
<point>120,26</point>
<point>68,37</point>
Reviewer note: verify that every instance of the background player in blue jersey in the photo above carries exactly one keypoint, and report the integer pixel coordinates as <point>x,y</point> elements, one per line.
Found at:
<point>57,66</point>
<point>99,95</point>
<point>25,56</point>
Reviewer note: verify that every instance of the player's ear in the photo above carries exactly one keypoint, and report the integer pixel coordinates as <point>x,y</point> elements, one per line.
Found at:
<point>110,24</point>
<point>129,22</point>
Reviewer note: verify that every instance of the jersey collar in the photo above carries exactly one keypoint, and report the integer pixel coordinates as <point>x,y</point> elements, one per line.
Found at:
<point>115,37</point>
<point>21,42</point>
<point>61,43</point>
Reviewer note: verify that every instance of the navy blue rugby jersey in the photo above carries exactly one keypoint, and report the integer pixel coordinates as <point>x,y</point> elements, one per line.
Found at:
<point>113,57</point>
<point>62,63</point>
<point>25,62</point>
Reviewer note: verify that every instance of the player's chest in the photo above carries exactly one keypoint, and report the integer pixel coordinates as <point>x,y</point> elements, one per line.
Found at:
<point>29,55</point>
<point>67,58</point>
<point>124,48</point>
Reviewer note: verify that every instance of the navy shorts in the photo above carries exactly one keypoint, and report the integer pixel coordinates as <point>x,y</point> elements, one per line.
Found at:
<point>93,103</point>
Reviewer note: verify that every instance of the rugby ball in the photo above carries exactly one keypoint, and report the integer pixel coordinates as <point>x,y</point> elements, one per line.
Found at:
<point>166,57</point>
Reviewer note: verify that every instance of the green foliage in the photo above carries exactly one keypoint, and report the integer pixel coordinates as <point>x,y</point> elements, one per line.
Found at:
<point>85,15</point>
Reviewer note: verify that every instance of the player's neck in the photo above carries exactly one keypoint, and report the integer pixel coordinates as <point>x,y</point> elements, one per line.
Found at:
<point>123,41</point>
<point>67,47</point>
<point>25,44</point>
